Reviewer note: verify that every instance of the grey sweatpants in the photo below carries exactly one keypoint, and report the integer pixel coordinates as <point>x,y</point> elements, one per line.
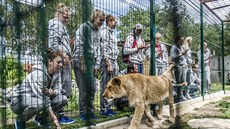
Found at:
<point>87,87</point>
<point>180,74</point>
<point>104,105</point>
<point>27,107</point>
<point>207,79</point>
<point>65,76</point>
<point>160,69</point>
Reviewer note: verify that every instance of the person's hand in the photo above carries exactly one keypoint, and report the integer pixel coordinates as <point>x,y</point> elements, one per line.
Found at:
<point>45,91</point>
<point>110,68</point>
<point>95,71</point>
<point>58,126</point>
<point>72,42</point>
<point>66,60</point>
<point>141,47</point>
<point>184,52</point>
<point>147,46</point>
<point>159,52</point>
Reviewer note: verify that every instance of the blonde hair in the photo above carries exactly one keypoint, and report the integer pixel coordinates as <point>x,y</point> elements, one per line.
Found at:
<point>158,35</point>
<point>185,44</point>
<point>62,8</point>
<point>97,13</point>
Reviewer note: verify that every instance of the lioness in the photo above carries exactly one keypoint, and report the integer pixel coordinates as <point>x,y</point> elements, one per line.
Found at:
<point>142,91</point>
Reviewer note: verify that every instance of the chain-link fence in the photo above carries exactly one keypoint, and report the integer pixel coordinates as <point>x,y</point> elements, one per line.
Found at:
<point>76,30</point>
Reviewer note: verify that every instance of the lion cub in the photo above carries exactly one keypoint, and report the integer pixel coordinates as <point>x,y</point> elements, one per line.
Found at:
<point>142,91</point>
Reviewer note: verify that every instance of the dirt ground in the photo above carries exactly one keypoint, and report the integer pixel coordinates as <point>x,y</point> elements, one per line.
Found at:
<point>210,111</point>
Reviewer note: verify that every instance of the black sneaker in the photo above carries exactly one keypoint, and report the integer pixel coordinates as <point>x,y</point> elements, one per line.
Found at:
<point>40,122</point>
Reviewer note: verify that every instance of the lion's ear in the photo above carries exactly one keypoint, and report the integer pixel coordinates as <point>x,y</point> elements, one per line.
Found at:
<point>116,81</point>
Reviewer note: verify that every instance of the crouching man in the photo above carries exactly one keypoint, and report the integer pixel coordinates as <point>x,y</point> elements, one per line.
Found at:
<point>32,97</point>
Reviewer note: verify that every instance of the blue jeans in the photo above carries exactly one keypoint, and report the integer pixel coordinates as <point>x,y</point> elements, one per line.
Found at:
<point>140,68</point>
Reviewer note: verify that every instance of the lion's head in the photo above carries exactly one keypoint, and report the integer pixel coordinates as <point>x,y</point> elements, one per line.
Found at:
<point>114,89</point>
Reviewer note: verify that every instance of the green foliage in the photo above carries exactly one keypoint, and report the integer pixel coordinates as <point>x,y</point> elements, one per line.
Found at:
<point>11,72</point>
<point>128,21</point>
<point>227,39</point>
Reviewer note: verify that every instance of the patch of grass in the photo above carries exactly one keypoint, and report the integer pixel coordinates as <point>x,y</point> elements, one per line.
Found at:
<point>79,123</point>
<point>227,87</point>
<point>224,104</point>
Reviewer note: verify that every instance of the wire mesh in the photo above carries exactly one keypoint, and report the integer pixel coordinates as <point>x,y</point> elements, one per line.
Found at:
<point>24,43</point>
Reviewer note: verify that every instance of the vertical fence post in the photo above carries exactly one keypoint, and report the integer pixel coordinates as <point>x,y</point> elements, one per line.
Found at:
<point>222,47</point>
<point>152,37</point>
<point>2,73</point>
<point>202,48</point>
<point>42,47</point>
<point>2,85</point>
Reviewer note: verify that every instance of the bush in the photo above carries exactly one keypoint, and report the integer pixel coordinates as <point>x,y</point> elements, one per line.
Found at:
<point>11,72</point>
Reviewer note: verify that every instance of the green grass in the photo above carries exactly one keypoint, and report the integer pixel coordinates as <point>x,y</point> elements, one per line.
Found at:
<point>218,87</point>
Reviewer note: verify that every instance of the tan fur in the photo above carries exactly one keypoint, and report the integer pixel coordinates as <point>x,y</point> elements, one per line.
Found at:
<point>142,91</point>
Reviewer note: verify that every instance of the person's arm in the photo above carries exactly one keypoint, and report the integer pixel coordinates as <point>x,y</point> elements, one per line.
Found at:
<point>207,56</point>
<point>104,43</point>
<point>104,48</point>
<point>78,51</point>
<point>165,55</point>
<point>55,35</point>
<point>174,53</point>
<point>128,46</point>
<point>54,118</point>
<point>98,55</point>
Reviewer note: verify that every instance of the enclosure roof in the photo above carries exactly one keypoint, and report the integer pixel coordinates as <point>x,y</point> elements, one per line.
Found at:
<point>220,8</point>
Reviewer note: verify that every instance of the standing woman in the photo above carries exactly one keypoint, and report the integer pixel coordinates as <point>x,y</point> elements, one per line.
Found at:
<point>207,63</point>
<point>178,53</point>
<point>187,46</point>
<point>87,59</point>
<point>58,41</point>
<point>161,55</point>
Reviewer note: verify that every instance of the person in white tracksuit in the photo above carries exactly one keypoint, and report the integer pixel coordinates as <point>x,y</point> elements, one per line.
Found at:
<point>135,47</point>
<point>207,79</point>
<point>109,65</point>
<point>87,60</point>
<point>58,41</point>
<point>33,95</point>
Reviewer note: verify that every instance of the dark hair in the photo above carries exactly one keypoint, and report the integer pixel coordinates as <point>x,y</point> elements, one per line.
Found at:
<point>130,67</point>
<point>51,54</point>
<point>177,39</point>
<point>109,18</point>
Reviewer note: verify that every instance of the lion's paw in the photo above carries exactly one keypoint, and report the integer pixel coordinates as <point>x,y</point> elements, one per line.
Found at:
<point>159,117</point>
<point>171,120</point>
<point>149,123</point>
